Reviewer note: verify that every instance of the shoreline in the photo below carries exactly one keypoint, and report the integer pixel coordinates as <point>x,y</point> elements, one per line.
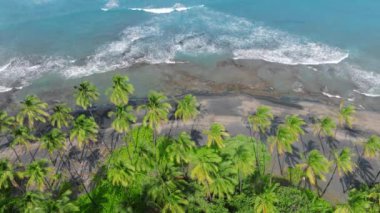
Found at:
<point>259,79</point>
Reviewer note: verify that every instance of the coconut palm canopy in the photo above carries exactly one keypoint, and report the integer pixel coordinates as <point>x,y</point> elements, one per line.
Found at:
<point>85,94</point>
<point>171,170</point>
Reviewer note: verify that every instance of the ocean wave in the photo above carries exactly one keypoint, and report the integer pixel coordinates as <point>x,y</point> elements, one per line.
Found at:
<point>111,4</point>
<point>172,38</point>
<point>4,89</point>
<point>164,10</point>
<point>331,95</point>
<point>372,95</point>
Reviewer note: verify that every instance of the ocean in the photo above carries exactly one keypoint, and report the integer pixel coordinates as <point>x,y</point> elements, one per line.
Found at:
<point>333,45</point>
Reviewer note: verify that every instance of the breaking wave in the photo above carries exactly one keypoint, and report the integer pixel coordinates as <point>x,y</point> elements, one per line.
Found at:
<point>163,10</point>
<point>170,38</point>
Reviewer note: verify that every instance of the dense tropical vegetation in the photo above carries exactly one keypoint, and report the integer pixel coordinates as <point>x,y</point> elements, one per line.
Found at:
<point>140,168</point>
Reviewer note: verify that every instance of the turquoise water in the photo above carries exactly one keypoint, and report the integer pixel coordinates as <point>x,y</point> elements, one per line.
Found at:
<point>76,38</point>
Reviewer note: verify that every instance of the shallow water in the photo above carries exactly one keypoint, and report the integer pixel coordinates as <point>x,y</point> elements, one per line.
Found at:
<point>325,47</point>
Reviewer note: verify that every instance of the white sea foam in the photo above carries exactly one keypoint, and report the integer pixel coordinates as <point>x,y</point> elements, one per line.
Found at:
<point>367,94</point>
<point>111,4</point>
<point>164,10</point>
<point>163,38</point>
<point>331,95</point>
<point>4,89</point>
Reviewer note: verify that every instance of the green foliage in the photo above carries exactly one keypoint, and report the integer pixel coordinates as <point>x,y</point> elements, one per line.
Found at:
<point>84,130</point>
<point>325,127</point>
<point>156,110</point>
<point>187,108</point>
<point>85,94</point>
<point>32,109</point>
<point>261,120</point>
<point>53,141</point>
<point>61,116</point>
<point>6,122</point>
<point>36,173</point>
<point>315,167</point>
<point>346,114</point>
<point>167,173</point>
<point>216,135</point>
<point>124,117</point>
<point>372,147</point>
<point>121,90</point>
<point>282,141</point>
<point>298,200</point>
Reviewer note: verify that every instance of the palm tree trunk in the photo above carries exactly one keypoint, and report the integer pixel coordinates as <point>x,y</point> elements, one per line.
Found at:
<point>374,180</point>
<point>279,162</point>
<point>317,187</point>
<point>17,156</point>
<point>255,149</point>
<point>304,145</point>
<point>240,182</point>
<point>331,178</point>
<point>81,181</point>
<point>320,140</point>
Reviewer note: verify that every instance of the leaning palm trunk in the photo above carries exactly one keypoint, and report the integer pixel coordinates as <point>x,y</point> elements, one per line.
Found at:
<point>68,166</point>
<point>328,183</point>
<point>279,162</point>
<point>255,149</point>
<point>17,156</point>
<point>320,140</point>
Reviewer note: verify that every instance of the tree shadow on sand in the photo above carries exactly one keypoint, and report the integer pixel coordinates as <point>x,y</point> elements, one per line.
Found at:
<point>196,136</point>
<point>293,158</point>
<point>311,145</point>
<point>364,170</point>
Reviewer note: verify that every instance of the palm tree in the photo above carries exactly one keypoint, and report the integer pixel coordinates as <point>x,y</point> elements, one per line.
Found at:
<point>85,94</point>
<point>324,127</point>
<point>61,203</point>
<point>6,126</point>
<point>204,166</point>
<point>120,173</point>
<point>295,124</point>
<point>165,185</point>
<point>156,110</point>
<point>358,201</point>
<point>282,141</point>
<point>240,153</point>
<point>261,121</point>
<point>32,109</point>
<point>61,116</point>
<point>121,90</point>
<point>265,202</point>
<point>22,136</point>
<point>31,202</point>
<point>6,122</point>
<point>123,118</point>
<point>7,175</point>
<point>53,141</point>
<point>343,163</point>
<point>224,181</point>
<point>180,151</point>
<point>344,208</point>
<point>346,114</point>
<point>216,135</point>
<point>315,167</point>
<point>187,108</point>
<point>371,147</point>
<point>37,172</point>
<point>84,130</point>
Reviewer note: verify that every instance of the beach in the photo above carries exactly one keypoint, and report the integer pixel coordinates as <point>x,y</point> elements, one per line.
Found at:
<point>296,58</point>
